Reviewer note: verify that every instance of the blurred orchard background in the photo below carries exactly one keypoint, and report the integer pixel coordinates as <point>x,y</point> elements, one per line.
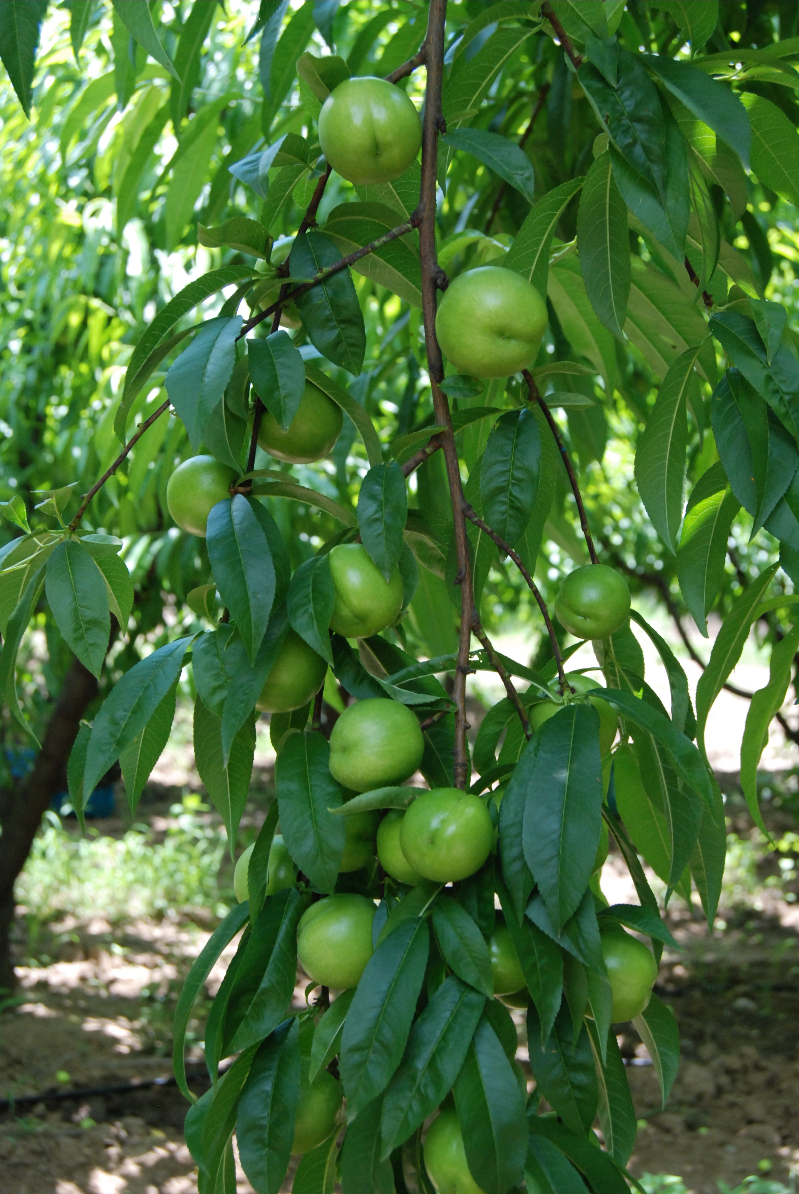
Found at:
<point>100,202</point>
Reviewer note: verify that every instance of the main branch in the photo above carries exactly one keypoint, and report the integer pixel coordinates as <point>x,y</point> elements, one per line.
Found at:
<point>431,280</point>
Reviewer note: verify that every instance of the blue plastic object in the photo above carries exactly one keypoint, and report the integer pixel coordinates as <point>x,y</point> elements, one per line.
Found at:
<point>102,802</point>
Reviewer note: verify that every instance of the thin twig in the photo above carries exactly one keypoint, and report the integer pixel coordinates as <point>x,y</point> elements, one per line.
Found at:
<point>412,464</point>
<point>134,439</point>
<point>497,665</point>
<point>532,586</point>
<point>330,271</point>
<point>316,716</point>
<point>410,66</point>
<point>542,95</point>
<point>431,280</point>
<point>439,715</point>
<point>535,395</point>
<point>562,35</point>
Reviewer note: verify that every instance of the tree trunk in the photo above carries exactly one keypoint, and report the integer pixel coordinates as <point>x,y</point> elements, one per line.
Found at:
<point>25,807</point>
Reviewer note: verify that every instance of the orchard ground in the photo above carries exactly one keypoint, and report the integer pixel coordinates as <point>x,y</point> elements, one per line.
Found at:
<point>98,993</point>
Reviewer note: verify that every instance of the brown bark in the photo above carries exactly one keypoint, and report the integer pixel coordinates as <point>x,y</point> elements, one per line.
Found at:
<point>22,814</point>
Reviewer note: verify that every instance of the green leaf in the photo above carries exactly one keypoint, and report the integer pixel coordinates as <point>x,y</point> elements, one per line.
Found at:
<point>258,866</point>
<point>660,455</point>
<point>310,497</point>
<point>562,772</point>
<point>16,512</point>
<point>379,1020</point>
<point>758,454</point>
<point>645,823</point>
<point>154,345</point>
<point>399,797</point>
<point>471,77</point>
<point>306,793</point>
<point>138,759</point>
<point>317,1170</point>
<point>227,786</point>
<point>566,291</point>
<point>491,1114</point>
<point>604,246</point>
<point>119,585</point>
<point>564,1070</point>
<point>129,706</point>
<point>265,979</point>
<point>243,568</point>
<point>80,14</point>
<point>547,1171</point>
<point>684,756</point>
<point>197,381</point>
<point>703,542</point>
<point>509,474</point>
<point>709,856</point>
<point>267,1107</point>
<point>581,19</point>
<point>278,375</point>
<point>775,146</point>
<point>463,945</point>
<point>541,960</point>
<point>517,873</point>
<point>728,647</point>
<point>327,1034</point>
<point>529,253</point>
<point>682,713</point>
<point>239,233</point>
<point>709,100</point>
<point>765,705</point>
<point>382,511</point>
<point>362,1170</point>
<point>696,18</point>
<point>77,594</point>
<point>640,920</point>
<point>136,16</point>
<point>777,382</point>
<point>683,812</point>
<point>394,265</point>
<point>187,59</point>
<point>502,156</point>
<point>311,598</point>
<point>657,1028</point>
<point>342,397</point>
<point>662,323</point>
<point>20,23</point>
<point>331,313</point>
<point>283,73</point>
<point>602,1172</point>
<point>616,1110</point>
<point>225,435</point>
<point>435,1052</point>
<point>17,625</point>
<point>193,984</point>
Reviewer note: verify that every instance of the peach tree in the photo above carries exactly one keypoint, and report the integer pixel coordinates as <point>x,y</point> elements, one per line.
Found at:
<point>346,548</point>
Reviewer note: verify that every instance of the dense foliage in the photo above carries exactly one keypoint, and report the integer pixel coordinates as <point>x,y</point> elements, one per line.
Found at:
<point>186,275</point>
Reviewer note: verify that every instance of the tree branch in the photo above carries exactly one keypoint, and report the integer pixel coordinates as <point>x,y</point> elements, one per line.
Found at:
<point>431,279</point>
<point>542,95</point>
<point>535,395</point>
<point>330,270</point>
<point>407,68</point>
<point>497,665</point>
<point>134,439</point>
<point>418,458</point>
<point>532,586</point>
<point>562,35</point>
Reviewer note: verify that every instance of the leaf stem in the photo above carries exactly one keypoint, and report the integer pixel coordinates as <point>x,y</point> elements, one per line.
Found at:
<point>532,586</point>
<point>433,278</point>
<point>109,472</point>
<point>535,396</point>
<point>418,458</point>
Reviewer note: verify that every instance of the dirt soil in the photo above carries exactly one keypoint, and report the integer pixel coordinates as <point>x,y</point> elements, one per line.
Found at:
<point>98,1014</point>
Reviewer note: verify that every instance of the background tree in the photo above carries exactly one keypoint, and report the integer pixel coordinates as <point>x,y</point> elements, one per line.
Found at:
<point>627,186</point>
